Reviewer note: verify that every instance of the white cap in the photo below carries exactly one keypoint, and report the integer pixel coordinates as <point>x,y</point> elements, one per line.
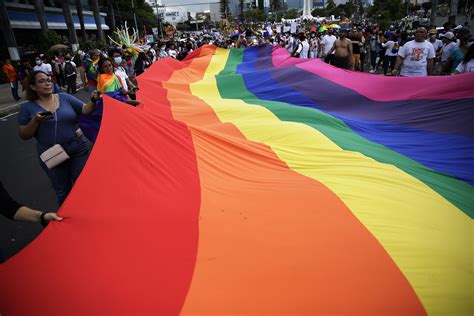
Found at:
<point>448,35</point>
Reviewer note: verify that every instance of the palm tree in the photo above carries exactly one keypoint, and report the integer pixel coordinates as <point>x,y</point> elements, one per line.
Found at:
<point>434,11</point>
<point>111,15</point>
<point>95,9</point>
<point>453,11</point>
<point>8,35</point>
<point>225,8</point>
<point>70,24</point>
<point>241,10</point>
<point>39,8</point>
<point>80,15</point>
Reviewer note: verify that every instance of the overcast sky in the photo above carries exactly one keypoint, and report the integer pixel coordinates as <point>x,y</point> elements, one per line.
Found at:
<point>201,5</point>
<point>193,5</point>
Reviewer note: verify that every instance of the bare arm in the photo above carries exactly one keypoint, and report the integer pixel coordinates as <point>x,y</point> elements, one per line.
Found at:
<point>130,84</point>
<point>399,62</point>
<point>333,48</point>
<point>29,130</point>
<point>26,214</point>
<point>91,106</point>
<point>350,49</point>
<point>429,66</point>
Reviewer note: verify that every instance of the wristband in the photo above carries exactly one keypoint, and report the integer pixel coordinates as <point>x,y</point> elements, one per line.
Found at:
<point>43,221</point>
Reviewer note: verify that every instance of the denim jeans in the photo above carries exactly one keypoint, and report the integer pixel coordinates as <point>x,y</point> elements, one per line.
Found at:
<point>389,60</point>
<point>64,175</point>
<point>14,87</point>
<point>373,58</point>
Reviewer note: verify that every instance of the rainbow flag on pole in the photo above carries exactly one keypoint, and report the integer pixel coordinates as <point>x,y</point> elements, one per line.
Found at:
<point>252,183</point>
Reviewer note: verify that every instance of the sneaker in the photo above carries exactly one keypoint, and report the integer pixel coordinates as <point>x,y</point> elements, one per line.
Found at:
<point>372,71</point>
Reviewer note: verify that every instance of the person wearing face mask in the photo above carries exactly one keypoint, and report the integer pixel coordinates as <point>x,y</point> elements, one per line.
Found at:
<point>120,72</point>
<point>314,46</point>
<point>449,45</point>
<point>458,53</point>
<point>152,51</point>
<point>437,43</point>
<point>163,53</point>
<point>40,66</point>
<point>70,72</point>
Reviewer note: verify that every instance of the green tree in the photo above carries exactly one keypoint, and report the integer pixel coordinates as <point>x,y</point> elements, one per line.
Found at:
<point>319,12</point>
<point>255,15</point>
<point>291,14</point>
<point>143,11</point>
<point>275,5</point>
<point>330,5</point>
<point>386,10</point>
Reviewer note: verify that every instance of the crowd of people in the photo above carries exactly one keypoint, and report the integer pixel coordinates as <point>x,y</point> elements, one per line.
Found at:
<point>419,52</point>
<point>65,127</point>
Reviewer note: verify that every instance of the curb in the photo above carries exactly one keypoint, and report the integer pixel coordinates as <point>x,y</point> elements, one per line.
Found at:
<point>10,108</point>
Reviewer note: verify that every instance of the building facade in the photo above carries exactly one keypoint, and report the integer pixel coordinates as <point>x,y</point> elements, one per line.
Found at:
<point>20,23</point>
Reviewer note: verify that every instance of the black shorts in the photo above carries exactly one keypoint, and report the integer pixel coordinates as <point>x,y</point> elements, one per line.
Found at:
<point>342,62</point>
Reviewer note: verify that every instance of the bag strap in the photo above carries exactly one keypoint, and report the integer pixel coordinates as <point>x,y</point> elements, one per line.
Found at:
<point>56,120</point>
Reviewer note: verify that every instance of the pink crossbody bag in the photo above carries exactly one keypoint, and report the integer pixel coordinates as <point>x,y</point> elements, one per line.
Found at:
<point>56,154</point>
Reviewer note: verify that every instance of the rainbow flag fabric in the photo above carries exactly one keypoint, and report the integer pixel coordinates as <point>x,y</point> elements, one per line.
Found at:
<point>252,183</point>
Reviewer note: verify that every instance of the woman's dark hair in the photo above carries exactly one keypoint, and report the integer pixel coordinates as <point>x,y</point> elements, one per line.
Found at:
<point>30,81</point>
<point>101,63</point>
<point>469,54</point>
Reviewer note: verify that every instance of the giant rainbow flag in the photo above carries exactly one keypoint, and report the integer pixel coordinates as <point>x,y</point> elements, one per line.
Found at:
<point>252,183</point>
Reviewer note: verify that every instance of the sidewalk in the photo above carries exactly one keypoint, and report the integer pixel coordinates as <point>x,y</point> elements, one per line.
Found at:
<point>9,105</point>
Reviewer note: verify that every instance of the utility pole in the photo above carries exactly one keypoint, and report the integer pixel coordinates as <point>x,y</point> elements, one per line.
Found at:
<point>158,18</point>
<point>135,17</point>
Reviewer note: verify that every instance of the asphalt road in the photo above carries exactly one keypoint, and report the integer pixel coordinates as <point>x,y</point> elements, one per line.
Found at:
<point>26,182</point>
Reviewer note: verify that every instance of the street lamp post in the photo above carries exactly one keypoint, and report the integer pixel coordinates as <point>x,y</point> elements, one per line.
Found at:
<point>158,18</point>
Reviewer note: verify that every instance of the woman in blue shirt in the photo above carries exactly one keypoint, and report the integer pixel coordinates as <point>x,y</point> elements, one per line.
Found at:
<point>53,119</point>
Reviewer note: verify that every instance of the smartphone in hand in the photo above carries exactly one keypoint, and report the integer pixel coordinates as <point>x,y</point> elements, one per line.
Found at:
<point>46,115</point>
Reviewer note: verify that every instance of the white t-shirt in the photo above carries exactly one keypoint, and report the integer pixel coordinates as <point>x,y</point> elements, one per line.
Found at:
<point>44,68</point>
<point>173,53</point>
<point>153,52</point>
<point>290,47</point>
<point>468,67</point>
<point>328,42</point>
<point>447,50</point>
<point>437,44</point>
<point>389,45</point>
<point>415,58</point>
<point>304,49</point>
<point>120,71</point>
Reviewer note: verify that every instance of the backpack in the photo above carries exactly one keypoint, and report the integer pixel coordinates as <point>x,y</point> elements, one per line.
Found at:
<point>69,69</point>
